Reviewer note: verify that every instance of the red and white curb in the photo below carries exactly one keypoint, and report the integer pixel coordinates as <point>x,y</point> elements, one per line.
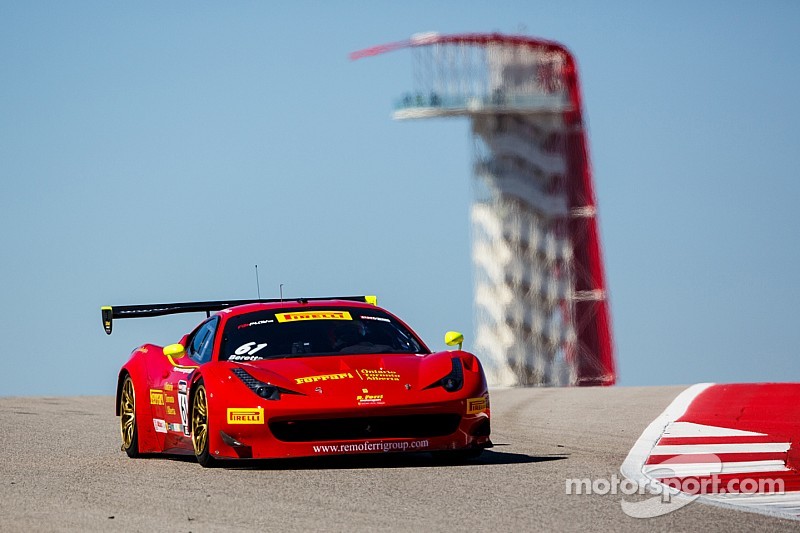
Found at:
<point>682,447</point>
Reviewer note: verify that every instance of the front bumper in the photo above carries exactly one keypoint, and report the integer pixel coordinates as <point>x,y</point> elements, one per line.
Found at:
<point>420,428</point>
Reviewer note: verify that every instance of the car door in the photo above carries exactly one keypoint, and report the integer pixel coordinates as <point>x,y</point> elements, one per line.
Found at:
<point>199,347</point>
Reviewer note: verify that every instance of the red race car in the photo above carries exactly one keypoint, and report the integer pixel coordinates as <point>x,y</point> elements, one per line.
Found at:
<point>297,378</point>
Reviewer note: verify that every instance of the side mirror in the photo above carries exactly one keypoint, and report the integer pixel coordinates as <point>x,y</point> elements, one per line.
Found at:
<point>451,338</point>
<point>174,350</point>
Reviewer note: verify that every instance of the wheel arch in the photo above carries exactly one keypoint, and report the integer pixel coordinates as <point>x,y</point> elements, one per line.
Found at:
<point>123,373</point>
<point>136,368</point>
<point>213,379</point>
<point>197,377</point>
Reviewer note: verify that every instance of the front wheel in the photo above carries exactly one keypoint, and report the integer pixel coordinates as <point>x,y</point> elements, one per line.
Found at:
<point>127,418</point>
<point>200,426</point>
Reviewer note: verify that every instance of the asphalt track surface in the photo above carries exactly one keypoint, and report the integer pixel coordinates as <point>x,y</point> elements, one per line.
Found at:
<point>61,468</point>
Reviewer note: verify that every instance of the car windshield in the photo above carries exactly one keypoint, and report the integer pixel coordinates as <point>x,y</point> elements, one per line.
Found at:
<point>314,331</point>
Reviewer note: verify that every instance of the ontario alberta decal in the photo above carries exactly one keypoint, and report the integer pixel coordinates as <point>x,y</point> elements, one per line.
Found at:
<point>313,315</point>
<point>476,405</point>
<point>242,415</point>
<point>378,375</point>
<point>324,377</point>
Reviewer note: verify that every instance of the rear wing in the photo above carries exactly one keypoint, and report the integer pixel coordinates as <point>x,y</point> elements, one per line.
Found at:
<point>109,313</point>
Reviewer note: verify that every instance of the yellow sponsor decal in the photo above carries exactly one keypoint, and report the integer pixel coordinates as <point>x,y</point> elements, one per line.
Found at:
<point>369,398</point>
<point>168,386</point>
<point>170,410</point>
<point>156,397</point>
<point>378,375</point>
<point>170,399</point>
<point>324,377</point>
<point>313,315</point>
<point>476,405</point>
<point>249,415</point>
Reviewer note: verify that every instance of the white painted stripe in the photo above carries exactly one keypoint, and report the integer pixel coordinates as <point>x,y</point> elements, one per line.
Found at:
<point>633,466</point>
<point>763,499</point>
<point>787,503</point>
<point>664,470</point>
<point>690,429</point>
<point>754,447</point>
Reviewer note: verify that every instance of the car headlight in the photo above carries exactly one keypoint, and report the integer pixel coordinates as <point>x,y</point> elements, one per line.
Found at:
<point>453,381</point>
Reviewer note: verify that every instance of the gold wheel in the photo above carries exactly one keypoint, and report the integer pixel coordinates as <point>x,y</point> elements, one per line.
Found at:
<point>200,421</point>
<point>127,418</point>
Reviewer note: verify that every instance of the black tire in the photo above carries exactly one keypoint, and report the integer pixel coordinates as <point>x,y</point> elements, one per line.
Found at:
<point>200,427</point>
<point>128,424</point>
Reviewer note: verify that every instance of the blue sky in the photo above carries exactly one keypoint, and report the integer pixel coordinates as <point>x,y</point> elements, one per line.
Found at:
<point>155,152</point>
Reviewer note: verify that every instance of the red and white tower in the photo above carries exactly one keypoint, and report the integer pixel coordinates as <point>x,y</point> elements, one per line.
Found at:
<point>542,315</point>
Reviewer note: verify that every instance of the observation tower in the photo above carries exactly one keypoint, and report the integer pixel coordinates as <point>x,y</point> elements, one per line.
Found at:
<point>541,308</point>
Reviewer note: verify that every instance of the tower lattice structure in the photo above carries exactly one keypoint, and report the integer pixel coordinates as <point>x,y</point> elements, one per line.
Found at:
<point>541,306</point>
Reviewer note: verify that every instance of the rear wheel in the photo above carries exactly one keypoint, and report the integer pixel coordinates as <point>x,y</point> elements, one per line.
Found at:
<point>127,418</point>
<point>200,426</point>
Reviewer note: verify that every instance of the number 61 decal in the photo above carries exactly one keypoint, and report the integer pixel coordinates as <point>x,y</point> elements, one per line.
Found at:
<point>249,348</point>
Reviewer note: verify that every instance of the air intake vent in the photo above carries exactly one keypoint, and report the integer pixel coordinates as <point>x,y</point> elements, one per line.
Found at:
<point>371,427</point>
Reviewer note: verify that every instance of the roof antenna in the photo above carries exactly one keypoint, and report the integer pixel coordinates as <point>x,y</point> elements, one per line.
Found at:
<point>281,289</point>
<point>258,285</point>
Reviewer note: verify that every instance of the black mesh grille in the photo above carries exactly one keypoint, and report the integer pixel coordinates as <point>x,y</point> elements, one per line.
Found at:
<point>248,380</point>
<point>253,384</point>
<point>372,427</point>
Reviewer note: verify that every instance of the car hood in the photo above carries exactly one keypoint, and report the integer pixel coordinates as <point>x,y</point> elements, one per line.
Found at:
<point>353,372</point>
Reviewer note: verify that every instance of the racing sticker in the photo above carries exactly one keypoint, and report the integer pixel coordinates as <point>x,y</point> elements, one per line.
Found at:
<point>247,352</point>
<point>159,425</point>
<point>176,428</point>
<point>313,315</point>
<point>324,377</point>
<point>235,357</point>
<point>257,323</point>
<point>476,405</point>
<point>183,405</point>
<point>249,415</point>
<point>370,399</point>
<point>378,375</point>
<point>156,397</point>
<point>378,318</point>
